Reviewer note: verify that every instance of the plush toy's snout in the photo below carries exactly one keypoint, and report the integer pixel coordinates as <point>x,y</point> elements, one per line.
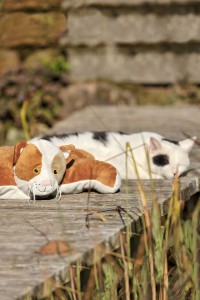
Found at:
<point>46,182</point>
<point>44,187</point>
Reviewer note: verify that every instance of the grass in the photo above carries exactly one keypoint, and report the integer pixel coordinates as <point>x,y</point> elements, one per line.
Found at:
<point>163,265</point>
<point>161,262</point>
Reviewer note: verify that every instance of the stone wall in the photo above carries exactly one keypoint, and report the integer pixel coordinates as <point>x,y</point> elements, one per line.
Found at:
<point>125,41</point>
<point>134,41</point>
<point>29,32</point>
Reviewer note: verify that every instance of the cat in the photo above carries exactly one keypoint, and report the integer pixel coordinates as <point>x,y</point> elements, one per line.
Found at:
<point>166,158</point>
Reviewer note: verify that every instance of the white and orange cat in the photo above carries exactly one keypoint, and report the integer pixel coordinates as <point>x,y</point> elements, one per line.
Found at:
<point>166,157</point>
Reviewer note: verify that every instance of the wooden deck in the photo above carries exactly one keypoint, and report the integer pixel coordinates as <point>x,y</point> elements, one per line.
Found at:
<point>24,229</point>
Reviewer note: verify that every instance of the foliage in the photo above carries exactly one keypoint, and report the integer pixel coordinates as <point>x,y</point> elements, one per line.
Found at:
<point>58,65</point>
<point>39,89</point>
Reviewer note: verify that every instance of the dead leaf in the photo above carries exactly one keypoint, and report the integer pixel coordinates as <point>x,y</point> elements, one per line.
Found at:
<point>55,247</point>
<point>103,219</point>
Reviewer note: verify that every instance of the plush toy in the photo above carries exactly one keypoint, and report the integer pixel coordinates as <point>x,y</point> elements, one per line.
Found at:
<point>40,169</point>
<point>83,172</point>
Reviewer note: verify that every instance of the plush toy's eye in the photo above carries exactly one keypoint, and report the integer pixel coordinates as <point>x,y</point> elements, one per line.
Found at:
<point>55,171</point>
<point>36,170</point>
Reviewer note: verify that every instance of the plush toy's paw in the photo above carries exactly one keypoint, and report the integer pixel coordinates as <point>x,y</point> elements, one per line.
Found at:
<point>89,174</point>
<point>11,192</point>
<point>74,153</point>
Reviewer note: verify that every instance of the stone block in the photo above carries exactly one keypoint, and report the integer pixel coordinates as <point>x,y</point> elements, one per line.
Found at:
<point>142,68</point>
<point>41,29</point>
<point>77,96</point>
<point>9,60</point>
<point>40,58</point>
<point>67,4</point>
<point>13,5</point>
<point>92,27</point>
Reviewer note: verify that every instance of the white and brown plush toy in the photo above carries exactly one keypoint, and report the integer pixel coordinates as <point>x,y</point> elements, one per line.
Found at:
<point>40,169</point>
<point>84,172</point>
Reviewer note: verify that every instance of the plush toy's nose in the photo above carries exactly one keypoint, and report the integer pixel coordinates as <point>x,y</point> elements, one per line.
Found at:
<point>46,182</point>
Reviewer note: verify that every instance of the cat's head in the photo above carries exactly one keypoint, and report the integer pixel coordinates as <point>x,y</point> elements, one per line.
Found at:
<point>168,158</point>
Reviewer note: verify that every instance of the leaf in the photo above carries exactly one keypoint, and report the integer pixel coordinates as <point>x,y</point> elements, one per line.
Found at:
<point>157,233</point>
<point>101,217</point>
<point>23,116</point>
<point>55,247</point>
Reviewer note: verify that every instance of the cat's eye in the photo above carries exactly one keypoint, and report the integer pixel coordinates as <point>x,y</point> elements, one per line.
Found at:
<point>55,171</point>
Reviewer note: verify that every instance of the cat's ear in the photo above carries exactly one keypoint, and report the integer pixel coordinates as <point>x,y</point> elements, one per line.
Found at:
<point>154,144</point>
<point>188,144</point>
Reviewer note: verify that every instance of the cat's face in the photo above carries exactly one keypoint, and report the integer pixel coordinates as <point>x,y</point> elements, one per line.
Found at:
<point>168,158</point>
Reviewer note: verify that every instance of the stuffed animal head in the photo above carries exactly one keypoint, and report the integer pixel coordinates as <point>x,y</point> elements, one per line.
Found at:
<point>39,167</point>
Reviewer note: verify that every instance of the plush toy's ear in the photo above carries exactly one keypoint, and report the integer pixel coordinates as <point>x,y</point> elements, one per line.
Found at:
<point>17,150</point>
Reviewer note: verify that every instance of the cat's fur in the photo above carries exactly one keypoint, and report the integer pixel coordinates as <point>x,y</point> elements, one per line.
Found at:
<point>166,157</point>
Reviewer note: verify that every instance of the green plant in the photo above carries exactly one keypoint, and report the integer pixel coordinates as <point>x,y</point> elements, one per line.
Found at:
<point>43,108</point>
<point>58,65</point>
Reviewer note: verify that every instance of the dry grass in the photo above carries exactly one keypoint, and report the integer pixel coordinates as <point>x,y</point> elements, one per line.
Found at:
<point>162,262</point>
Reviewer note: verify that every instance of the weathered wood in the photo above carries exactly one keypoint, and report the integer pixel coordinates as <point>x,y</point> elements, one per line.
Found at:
<point>25,228</point>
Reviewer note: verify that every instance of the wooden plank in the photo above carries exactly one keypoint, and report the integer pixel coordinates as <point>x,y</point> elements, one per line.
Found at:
<point>25,228</point>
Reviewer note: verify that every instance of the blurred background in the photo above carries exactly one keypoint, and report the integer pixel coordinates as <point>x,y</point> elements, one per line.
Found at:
<point>57,56</point>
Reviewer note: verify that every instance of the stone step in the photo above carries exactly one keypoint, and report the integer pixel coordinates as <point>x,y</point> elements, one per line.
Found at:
<point>81,3</point>
<point>93,27</point>
<point>152,67</point>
